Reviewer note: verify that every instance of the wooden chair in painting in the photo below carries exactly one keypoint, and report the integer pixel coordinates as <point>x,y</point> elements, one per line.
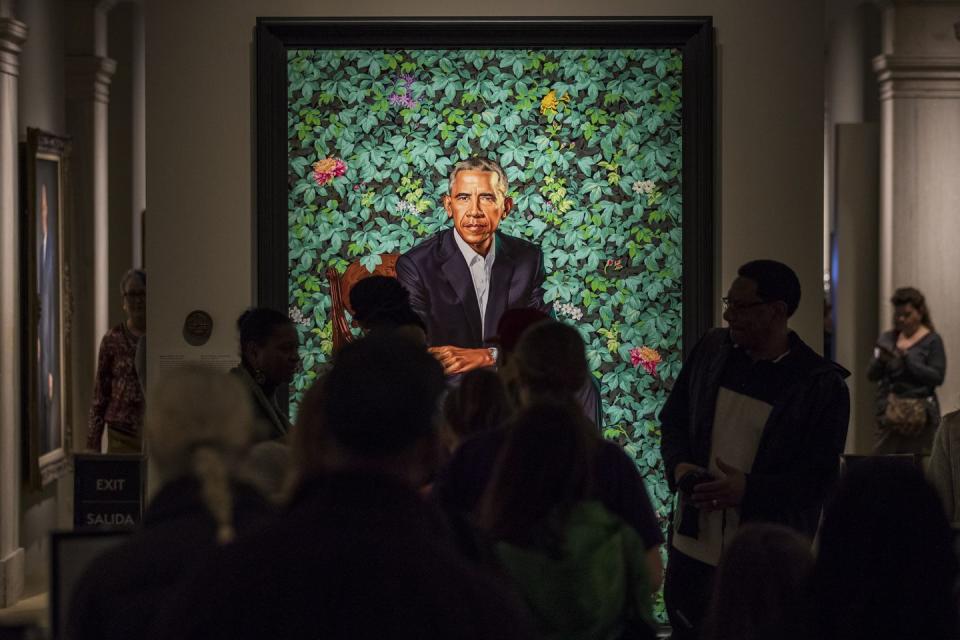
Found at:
<point>340,286</point>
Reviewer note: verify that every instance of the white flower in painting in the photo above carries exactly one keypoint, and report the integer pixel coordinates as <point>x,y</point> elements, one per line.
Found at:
<point>567,309</point>
<point>296,315</point>
<point>404,207</point>
<point>644,186</point>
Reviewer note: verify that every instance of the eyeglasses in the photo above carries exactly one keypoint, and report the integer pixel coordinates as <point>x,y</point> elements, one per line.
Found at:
<point>734,305</point>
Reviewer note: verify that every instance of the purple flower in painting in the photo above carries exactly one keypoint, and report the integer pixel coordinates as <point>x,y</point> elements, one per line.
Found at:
<point>402,100</point>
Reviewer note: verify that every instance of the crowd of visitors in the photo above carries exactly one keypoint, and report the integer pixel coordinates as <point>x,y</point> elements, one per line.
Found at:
<point>401,505</point>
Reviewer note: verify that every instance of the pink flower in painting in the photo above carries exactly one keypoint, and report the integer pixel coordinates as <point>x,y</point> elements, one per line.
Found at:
<point>402,100</point>
<point>616,265</point>
<point>327,169</point>
<point>645,357</point>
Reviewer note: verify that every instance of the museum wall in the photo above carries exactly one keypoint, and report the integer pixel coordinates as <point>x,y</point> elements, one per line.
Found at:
<point>42,105</point>
<point>769,134</point>
<point>53,95</point>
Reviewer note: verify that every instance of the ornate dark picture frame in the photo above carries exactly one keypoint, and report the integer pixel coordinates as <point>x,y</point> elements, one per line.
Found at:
<point>47,305</point>
<point>693,36</point>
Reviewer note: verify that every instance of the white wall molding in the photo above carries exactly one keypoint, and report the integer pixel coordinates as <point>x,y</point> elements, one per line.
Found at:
<point>88,78</point>
<point>13,34</point>
<point>918,76</point>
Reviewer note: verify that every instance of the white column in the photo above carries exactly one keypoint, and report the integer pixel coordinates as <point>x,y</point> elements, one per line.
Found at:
<point>88,93</point>
<point>12,36</point>
<point>139,143</point>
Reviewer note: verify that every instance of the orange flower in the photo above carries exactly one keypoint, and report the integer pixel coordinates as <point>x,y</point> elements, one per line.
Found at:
<point>646,357</point>
<point>327,165</point>
<point>327,169</point>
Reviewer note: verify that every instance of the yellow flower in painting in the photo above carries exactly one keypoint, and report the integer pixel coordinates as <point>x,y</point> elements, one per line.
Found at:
<point>550,102</point>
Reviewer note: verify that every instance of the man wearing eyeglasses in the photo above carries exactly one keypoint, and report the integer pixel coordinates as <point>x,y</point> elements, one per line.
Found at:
<point>751,432</point>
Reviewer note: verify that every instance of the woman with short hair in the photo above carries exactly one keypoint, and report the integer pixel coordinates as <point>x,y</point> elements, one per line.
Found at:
<point>118,404</point>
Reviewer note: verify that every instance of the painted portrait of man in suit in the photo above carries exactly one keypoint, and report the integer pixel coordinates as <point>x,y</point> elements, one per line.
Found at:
<point>461,280</point>
<point>48,293</point>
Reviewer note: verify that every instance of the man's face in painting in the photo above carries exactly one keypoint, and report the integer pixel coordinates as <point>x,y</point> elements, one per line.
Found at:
<point>477,204</point>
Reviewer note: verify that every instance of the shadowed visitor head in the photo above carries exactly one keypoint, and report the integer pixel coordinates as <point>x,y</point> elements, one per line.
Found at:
<point>381,303</point>
<point>762,586</point>
<point>268,346</point>
<point>550,361</point>
<point>512,324</point>
<point>268,466</point>
<point>376,409</point>
<point>479,403</point>
<point>198,423</point>
<point>477,201</point>
<point>191,407</point>
<point>760,301</point>
<point>885,561</point>
<point>543,469</point>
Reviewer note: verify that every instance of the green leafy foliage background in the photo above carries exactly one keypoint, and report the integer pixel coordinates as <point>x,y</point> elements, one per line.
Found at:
<point>594,170</point>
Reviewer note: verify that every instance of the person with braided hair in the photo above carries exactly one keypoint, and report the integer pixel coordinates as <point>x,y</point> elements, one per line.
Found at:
<point>382,303</point>
<point>198,426</point>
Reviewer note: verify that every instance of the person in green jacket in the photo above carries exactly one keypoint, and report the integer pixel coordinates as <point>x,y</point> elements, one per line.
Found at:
<point>581,570</point>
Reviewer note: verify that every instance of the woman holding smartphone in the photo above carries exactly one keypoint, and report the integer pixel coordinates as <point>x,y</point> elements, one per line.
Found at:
<point>908,364</point>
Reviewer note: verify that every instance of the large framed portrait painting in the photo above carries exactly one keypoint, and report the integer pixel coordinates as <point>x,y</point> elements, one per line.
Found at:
<point>603,133</point>
<point>45,287</point>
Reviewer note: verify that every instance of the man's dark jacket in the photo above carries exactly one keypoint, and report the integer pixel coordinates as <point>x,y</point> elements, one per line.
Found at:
<point>442,293</point>
<point>798,456</point>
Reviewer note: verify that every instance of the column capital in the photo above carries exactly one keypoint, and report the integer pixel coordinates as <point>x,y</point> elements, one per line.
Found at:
<point>906,76</point>
<point>88,77</point>
<point>13,34</point>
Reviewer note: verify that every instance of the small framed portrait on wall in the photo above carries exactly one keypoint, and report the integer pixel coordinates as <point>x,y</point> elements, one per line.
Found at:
<point>47,304</point>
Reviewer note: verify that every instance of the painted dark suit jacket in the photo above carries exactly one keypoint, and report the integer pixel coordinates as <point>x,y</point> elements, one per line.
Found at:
<point>442,293</point>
